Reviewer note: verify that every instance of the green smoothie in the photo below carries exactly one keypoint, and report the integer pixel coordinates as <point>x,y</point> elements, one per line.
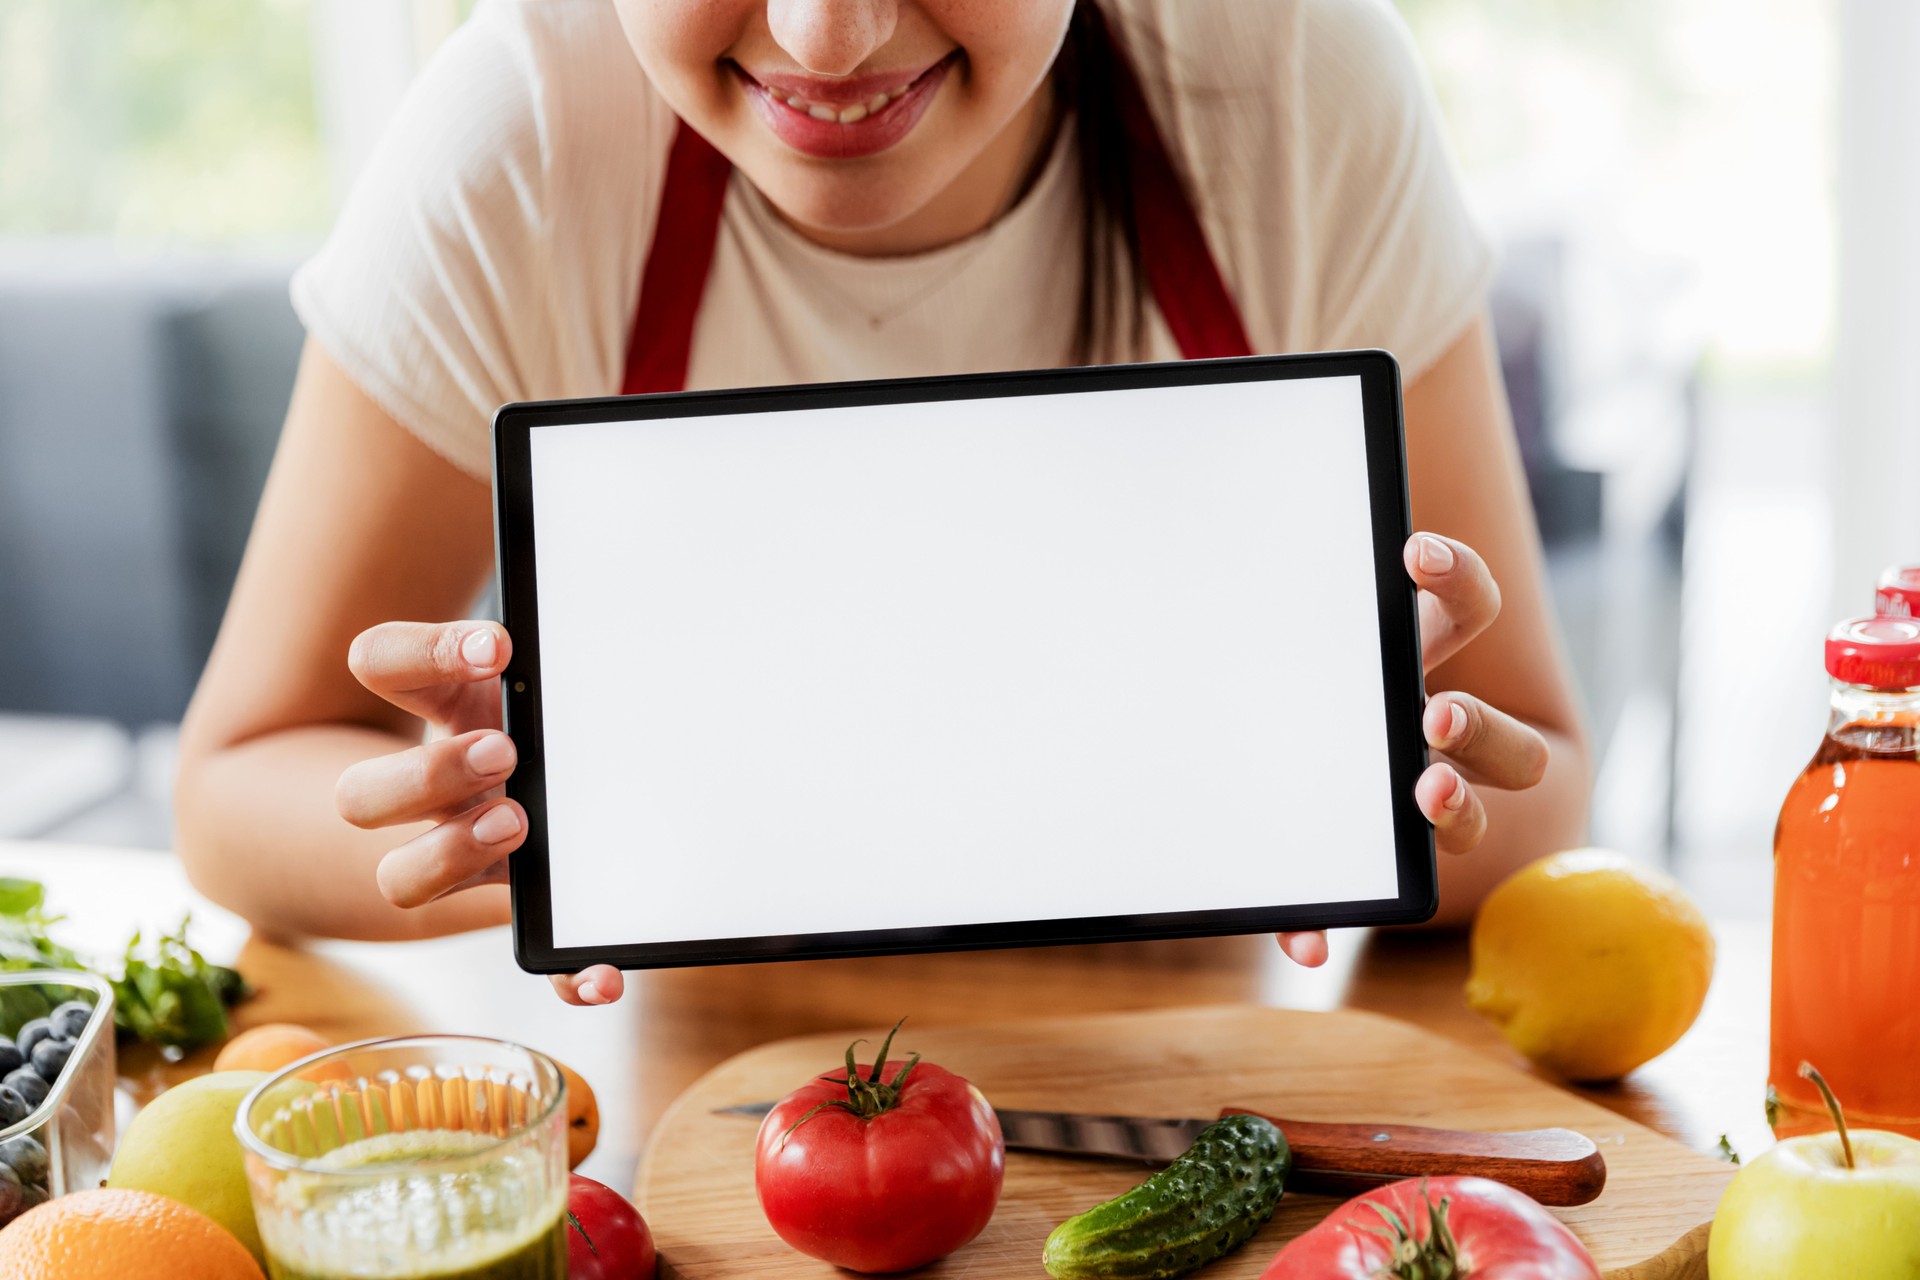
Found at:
<point>544,1258</point>
<point>494,1219</point>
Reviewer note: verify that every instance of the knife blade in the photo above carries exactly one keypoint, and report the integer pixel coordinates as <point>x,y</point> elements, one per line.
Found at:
<point>1554,1166</point>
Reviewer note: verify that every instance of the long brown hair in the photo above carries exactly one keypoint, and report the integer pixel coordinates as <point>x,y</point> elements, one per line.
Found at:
<point>1112,313</point>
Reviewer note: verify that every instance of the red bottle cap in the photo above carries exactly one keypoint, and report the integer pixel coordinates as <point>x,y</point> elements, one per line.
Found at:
<point>1879,652</point>
<point>1899,592</point>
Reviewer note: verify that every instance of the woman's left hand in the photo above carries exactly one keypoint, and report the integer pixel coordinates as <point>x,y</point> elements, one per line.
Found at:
<point>1473,744</point>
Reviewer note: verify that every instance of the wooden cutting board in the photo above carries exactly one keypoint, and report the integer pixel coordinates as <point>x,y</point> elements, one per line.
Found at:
<point>696,1181</point>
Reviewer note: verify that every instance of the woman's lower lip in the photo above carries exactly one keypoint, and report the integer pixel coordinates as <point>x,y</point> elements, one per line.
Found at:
<point>831,140</point>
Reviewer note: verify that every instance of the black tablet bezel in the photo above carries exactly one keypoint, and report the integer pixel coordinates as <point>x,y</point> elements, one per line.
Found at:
<point>1399,638</point>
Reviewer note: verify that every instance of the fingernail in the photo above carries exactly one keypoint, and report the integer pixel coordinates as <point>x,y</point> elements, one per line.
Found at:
<point>490,755</point>
<point>477,647</point>
<point>590,994</point>
<point>496,824</point>
<point>1435,555</point>
<point>1456,721</point>
<point>1458,796</point>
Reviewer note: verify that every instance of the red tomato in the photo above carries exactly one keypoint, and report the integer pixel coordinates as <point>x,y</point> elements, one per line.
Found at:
<point>1485,1229</point>
<point>606,1237</point>
<point>885,1173</point>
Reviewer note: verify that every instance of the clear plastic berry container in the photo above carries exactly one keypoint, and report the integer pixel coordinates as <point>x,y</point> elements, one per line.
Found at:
<point>73,1123</point>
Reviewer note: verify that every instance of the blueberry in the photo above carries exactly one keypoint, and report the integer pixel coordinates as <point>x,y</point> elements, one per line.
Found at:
<point>32,1034</point>
<point>13,1107</point>
<point>50,1058</point>
<point>28,1084</point>
<point>70,1019</point>
<point>26,1157</point>
<point>13,1196</point>
<point>11,1059</point>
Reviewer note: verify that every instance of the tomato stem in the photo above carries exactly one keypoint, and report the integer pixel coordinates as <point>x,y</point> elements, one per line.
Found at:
<point>869,1097</point>
<point>1807,1072</point>
<point>591,1247</point>
<point>1411,1258</point>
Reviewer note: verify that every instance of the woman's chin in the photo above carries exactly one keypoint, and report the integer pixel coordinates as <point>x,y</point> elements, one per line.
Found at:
<point>843,206</point>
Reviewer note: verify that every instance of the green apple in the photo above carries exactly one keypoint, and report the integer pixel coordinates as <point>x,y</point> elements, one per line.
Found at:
<point>182,1145</point>
<point>1841,1204</point>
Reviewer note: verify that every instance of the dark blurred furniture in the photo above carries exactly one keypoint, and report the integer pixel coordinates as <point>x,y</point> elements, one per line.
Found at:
<point>1605,408</point>
<point>53,768</point>
<point>139,405</point>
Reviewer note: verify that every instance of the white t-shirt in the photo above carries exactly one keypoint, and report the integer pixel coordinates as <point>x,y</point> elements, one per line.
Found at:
<point>492,250</point>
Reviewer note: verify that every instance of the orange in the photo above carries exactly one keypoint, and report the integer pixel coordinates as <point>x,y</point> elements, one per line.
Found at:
<point>583,1117</point>
<point>269,1047</point>
<point>112,1234</point>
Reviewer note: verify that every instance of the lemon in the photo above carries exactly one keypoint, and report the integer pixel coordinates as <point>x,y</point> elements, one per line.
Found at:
<point>1589,963</point>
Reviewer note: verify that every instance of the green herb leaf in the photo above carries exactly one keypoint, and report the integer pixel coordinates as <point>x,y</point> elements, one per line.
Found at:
<point>172,997</point>
<point>167,994</point>
<point>20,897</point>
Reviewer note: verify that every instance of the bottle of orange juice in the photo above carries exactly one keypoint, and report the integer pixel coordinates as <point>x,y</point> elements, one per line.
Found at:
<point>1846,891</point>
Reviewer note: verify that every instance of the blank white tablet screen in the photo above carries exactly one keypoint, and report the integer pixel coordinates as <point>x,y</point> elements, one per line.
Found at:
<point>963,662</point>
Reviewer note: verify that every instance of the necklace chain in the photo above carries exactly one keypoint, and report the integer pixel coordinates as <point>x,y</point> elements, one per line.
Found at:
<point>822,279</point>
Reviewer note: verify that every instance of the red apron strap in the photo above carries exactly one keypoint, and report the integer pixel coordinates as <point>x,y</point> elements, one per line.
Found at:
<point>1186,282</point>
<point>684,234</point>
<point>1180,270</point>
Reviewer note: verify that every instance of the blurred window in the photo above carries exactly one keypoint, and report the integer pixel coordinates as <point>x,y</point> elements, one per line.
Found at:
<point>1676,159</point>
<point>160,120</point>
<point>1694,136</point>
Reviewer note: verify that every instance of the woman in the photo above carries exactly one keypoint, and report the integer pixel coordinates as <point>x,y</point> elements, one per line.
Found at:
<point>585,196</point>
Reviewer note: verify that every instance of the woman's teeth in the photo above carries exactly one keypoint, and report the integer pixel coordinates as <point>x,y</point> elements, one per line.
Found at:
<point>844,115</point>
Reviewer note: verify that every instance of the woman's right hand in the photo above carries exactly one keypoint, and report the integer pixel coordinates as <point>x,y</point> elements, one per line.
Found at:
<point>448,674</point>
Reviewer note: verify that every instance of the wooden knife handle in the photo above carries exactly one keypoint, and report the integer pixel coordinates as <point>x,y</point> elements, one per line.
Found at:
<point>1554,1166</point>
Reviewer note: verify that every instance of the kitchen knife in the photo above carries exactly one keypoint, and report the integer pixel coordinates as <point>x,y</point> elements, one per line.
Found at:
<point>1554,1166</point>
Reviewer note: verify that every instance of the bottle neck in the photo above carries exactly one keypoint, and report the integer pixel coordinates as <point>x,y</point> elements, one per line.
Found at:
<point>1872,719</point>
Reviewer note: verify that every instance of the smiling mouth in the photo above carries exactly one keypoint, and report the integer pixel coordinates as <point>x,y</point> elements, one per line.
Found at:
<point>873,106</point>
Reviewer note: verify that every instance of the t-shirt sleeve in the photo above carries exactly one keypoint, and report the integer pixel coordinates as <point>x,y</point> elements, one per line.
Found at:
<point>432,292</point>
<point>1398,260</point>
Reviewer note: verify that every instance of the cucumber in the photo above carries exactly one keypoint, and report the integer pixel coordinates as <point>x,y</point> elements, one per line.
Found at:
<point>1202,1206</point>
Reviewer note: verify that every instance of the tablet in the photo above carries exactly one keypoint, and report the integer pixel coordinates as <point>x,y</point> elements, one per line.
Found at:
<point>932,664</point>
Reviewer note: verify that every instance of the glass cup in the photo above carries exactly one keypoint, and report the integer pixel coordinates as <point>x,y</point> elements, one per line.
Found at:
<point>423,1158</point>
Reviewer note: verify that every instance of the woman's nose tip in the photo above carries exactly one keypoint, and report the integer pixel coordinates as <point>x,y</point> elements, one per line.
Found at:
<point>831,37</point>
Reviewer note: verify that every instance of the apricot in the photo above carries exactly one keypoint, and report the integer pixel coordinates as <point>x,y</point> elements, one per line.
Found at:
<point>269,1047</point>
<point>583,1117</point>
